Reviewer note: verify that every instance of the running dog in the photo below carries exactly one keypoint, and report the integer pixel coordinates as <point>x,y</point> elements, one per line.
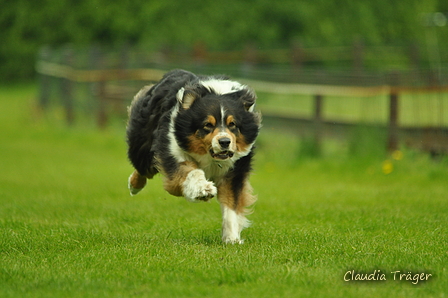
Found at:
<point>199,133</point>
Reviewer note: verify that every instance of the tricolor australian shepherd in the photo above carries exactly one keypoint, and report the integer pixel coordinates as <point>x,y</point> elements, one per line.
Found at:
<point>199,133</point>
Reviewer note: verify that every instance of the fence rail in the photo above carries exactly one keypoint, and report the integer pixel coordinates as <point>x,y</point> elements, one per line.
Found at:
<point>108,88</point>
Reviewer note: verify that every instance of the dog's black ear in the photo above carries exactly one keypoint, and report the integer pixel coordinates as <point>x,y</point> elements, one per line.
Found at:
<point>186,97</point>
<point>248,97</point>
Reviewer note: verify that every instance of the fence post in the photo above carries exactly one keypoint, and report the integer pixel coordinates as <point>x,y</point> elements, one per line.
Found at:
<point>392,143</point>
<point>318,101</point>
<point>392,140</point>
<point>67,87</point>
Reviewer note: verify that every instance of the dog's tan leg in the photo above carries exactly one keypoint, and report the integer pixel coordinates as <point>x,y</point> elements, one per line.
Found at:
<point>234,210</point>
<point>190,182</point>
<point>136,183</point>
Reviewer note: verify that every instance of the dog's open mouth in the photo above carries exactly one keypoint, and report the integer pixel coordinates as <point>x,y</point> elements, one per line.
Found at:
<point>221,155</point>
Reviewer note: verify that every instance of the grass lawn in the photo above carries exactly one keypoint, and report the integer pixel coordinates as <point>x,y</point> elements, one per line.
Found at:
<point>68,227</point>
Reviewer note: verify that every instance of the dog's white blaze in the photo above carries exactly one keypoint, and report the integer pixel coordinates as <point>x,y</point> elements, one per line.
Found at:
<point>195,186</point>
<point>232,225</point>
<point>221,87</point>
<point>223,116</point>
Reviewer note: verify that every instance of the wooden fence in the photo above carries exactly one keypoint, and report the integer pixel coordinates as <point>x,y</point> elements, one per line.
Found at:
<point>108,88</point>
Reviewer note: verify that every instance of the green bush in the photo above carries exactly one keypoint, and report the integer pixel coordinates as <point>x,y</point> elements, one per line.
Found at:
<point>28,25</point>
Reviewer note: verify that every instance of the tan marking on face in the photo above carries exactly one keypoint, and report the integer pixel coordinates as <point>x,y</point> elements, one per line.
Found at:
<point>196,145</point>
<point>229,120</point>
<point>199,145</point>
<point>211,120</point>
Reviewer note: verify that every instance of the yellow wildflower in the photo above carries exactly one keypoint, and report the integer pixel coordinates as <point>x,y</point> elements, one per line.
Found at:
<point>387,167</point>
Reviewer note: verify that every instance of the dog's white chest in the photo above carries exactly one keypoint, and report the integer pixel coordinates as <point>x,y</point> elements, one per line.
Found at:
<point>216,171</point>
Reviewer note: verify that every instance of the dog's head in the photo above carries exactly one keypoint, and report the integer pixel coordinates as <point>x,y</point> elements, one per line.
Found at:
<point>217,118</point>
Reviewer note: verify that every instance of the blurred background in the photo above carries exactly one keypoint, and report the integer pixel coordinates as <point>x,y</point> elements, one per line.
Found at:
<point>351,164</point>
<point>322,69</point>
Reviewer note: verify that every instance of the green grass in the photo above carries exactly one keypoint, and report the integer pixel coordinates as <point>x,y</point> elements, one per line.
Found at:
<point>68,227</point>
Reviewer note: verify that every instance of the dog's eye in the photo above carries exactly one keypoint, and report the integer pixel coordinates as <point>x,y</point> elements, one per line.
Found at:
<point>231,125</point>
<point>208,126</point>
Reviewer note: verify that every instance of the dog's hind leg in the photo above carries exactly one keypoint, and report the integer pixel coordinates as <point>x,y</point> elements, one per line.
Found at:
<point>136,183</point>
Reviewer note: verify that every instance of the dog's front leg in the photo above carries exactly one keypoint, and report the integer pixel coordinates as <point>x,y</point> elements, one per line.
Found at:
<point>231,227</point>
<point>190,182</point>
<point>233,207</point>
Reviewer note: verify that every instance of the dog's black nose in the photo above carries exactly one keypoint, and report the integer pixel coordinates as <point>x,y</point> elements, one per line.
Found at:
<point>224,142</point>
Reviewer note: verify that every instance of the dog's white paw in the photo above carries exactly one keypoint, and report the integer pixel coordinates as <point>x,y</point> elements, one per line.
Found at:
<point>231,240</point>
<point>196,188</point>
<point>232,224</point>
